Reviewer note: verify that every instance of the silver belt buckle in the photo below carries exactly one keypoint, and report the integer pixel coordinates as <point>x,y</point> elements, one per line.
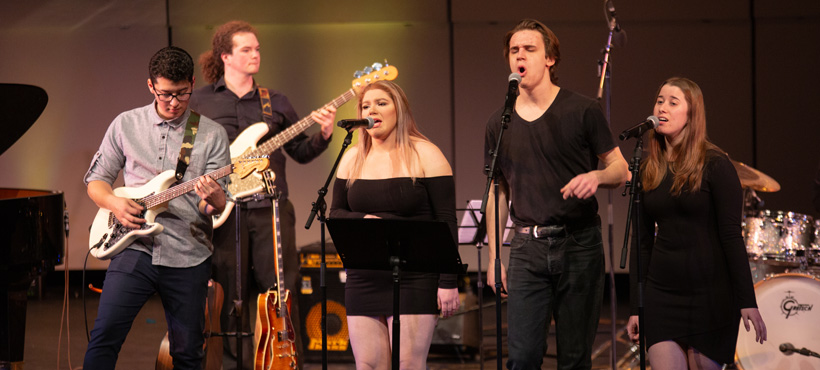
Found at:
<point>535,232</point>
<point>546,231</point>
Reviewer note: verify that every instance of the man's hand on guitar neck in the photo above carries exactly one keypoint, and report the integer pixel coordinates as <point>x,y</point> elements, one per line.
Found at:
<point>125,210</point>
<point>325,117</point>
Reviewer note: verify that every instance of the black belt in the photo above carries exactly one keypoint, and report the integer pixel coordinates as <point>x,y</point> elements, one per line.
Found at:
<point>543,231</point>
<point>538,231</point>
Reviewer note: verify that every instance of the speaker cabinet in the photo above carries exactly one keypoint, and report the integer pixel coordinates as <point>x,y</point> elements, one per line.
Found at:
<point>310,305</point>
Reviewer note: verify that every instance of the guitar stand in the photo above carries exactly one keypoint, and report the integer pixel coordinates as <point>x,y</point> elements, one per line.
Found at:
<point>238,303</point>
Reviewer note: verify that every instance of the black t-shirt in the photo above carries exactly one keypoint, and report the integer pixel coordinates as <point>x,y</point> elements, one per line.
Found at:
<point>538,158</point>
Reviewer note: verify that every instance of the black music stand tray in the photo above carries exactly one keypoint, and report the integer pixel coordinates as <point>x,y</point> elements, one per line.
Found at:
<point>395,245</point>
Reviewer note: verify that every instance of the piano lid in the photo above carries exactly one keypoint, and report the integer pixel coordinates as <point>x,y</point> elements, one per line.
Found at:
<point>21,106</point>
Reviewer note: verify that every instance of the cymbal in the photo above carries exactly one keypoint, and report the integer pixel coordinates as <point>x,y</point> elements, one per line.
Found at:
<point>754,179</point>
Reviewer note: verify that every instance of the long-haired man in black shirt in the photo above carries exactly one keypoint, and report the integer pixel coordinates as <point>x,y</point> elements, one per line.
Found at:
<point>233,100</point>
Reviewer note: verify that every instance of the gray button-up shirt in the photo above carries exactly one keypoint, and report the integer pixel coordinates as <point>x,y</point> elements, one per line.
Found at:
<point>142,145</point>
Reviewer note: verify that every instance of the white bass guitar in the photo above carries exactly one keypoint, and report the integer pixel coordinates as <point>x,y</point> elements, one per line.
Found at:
<point>244,146</point>
<point>108,236</point>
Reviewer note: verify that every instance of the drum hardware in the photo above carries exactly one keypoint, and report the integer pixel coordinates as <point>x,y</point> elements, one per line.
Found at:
<point>751,202</point>
<point>814,253</point>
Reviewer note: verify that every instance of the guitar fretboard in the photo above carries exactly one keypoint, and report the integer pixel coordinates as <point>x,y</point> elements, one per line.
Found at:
<point>280,277</point>
<point>289,133</point>
<point>153,200</point>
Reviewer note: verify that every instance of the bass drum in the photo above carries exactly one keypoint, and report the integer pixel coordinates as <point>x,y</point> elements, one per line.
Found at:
<point>790,306</point>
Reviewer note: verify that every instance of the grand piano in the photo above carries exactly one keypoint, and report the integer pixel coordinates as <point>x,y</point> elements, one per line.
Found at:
<point>32,226</point>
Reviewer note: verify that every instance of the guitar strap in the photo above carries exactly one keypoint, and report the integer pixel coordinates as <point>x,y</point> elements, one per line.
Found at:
<point>264,99</point>
<point>187,144</point>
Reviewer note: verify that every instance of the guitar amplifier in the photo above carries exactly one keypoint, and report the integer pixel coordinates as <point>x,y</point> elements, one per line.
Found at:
<point>310,305</point>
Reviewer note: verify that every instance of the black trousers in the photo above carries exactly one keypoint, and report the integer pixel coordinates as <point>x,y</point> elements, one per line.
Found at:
<point>256,239</point>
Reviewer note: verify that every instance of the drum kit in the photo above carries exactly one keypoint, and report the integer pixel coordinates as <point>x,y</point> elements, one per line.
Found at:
<point>784,256</point>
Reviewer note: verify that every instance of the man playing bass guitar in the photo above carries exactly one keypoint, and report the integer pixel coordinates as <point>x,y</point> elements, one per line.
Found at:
<point>176,262</point>
<point>235,100</point>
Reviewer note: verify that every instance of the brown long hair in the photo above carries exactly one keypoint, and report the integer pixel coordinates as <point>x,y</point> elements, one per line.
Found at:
<point>690,156</point>
<point>222,42</point>
<point>406,131</point>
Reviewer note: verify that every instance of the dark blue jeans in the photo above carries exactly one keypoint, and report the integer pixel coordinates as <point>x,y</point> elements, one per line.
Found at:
<point>560,276</point>
<point>130,280</point>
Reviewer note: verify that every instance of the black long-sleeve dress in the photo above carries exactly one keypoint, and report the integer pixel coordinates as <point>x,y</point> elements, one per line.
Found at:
<point>370,293</point>
<point>696,270</point>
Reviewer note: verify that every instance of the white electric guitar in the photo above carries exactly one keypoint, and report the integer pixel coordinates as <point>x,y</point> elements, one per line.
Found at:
<point>108,236</point>
<point>244,146</point>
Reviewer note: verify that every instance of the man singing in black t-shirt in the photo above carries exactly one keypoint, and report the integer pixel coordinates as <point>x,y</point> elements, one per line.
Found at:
<point>548,170</point>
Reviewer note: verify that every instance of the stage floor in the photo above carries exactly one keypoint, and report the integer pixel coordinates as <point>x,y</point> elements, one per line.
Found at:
<point>44,335</point>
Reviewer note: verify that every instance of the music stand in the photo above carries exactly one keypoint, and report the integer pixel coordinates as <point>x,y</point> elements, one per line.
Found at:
<point>395,245</point>
<point>472,230</point>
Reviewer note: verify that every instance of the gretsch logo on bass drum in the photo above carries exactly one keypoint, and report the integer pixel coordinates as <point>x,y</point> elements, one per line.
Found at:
<point>790,307</point>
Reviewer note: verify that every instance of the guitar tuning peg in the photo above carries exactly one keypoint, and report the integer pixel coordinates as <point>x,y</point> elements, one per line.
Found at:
<point>358,74</point>
<point>385,63</point>
<point>368,70</point>
<point>377,66</point>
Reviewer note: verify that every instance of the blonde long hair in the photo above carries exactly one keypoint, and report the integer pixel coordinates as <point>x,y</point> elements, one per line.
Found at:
<point>690,156</point>
<point>406,131</point>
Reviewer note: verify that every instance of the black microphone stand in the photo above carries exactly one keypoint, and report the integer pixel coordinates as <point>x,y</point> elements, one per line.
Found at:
<point>803,351</point>
<point>478,240</point>
<point>634,212</point>
<point>491,180</point>
<point>318,211</point>
<point>605,84</point>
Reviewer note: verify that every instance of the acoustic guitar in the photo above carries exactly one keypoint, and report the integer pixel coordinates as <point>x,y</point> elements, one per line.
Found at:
<point>213,344</point>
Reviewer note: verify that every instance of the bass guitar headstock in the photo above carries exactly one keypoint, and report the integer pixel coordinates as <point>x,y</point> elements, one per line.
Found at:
<point>373,73</point>
<point>244,167</point>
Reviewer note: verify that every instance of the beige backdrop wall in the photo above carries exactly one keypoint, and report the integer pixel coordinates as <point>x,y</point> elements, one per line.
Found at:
<point>91,59</point>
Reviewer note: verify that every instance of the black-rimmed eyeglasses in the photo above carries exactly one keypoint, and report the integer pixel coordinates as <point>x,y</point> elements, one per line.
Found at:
<point>169,97</point>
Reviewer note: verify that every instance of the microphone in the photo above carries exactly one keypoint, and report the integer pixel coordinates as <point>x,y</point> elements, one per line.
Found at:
<point>610,15</point>
<point>638,130</point>
<point>512,94</point>
<point>787,348</point>
<point>350,124</point>
<point>619,35</point>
